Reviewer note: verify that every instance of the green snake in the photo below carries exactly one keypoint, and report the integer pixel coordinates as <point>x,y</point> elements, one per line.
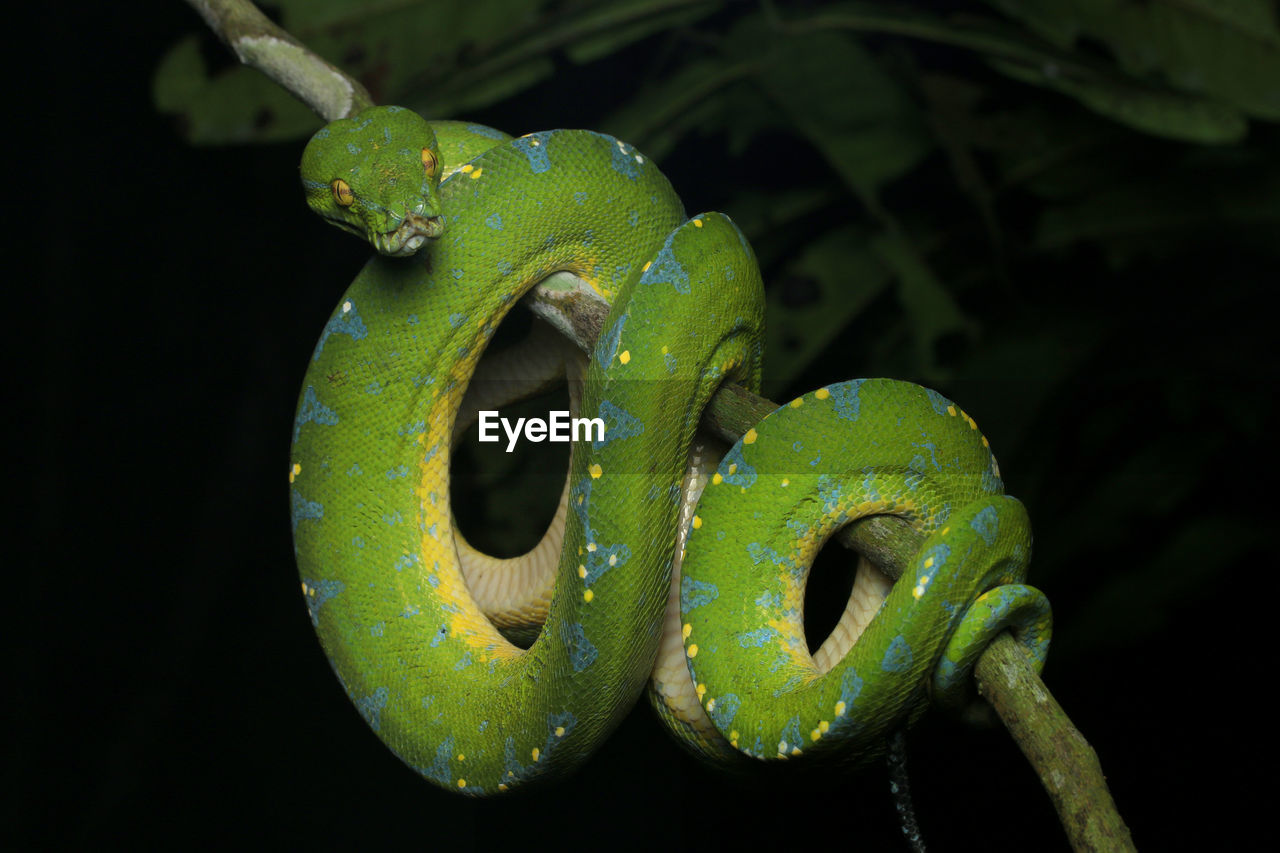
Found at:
<point>466,221</point>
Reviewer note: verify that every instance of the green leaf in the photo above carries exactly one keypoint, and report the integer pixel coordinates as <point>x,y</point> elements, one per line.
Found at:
<point>931,311</point>
<point>240,105</point>
<point>1208,199</point>
<point>694,97</point>
<point>816,297</point>
<point>1227,50</point>
<point>848,107</point>
<point>1142,107</point>
<point>621,24</point>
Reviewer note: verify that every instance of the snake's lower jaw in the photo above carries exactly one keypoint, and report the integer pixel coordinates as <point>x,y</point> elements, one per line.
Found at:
<point>412,234</point>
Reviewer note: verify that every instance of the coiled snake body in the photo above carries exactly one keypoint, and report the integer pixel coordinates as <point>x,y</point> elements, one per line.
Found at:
<point>389,581</point>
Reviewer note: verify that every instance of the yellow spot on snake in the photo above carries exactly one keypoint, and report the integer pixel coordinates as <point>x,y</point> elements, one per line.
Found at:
<point>595,471</point>
<point>462,783</point>
<point>588,595</point>
<point>613,559</point>
<point>840,709</point>
<point>945,530</point>
<point>461,757</point>
<point>535,753</point>
<point>822,393</point>
<point>501,786</point>
<point>559,731</point>
<point>823,726</point>
<point>697,522</point>
<point>466,170</point>
<point>665,350</point>
<point>972,423</point>
<point>928,564</point>
<point>786,482</point>
<point>733,468</point>
<point>701,689</point>
<point>582,571</point>
<point>591,546</point>
<point>815,734</point>
<point>797,403</point>
<point>646,266</point>
<point>686,630</point>
<point>749,437</point>
<point>985,443</point>
<point>711,704</point>
<point>795,750</point>
<point>346,307</point>
<point>716,479</point>
<point>475,174</point>
<point>697,223</point>
<point>951,410</point>
<point>294,471</point>
<point>693,653</point>
<point>625,357</point>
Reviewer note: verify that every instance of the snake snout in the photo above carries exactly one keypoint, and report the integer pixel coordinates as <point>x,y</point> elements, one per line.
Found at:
<point>414,231</point>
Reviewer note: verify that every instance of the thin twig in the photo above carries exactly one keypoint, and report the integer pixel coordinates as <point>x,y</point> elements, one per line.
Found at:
<point>259,43</point>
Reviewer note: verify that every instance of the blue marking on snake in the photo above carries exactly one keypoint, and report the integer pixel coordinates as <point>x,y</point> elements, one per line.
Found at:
<point>987,524</point>
<point>898,657</point>
<point>318,592</point>
<point>618,424</point>
<point>371,706</point>
<point>845,399</point>
<point>757,638</point>
<point>534,148</point>
<point>666,269</point>
<point>725,710</point>
<point>696,593</point>
<point>304,509</point>
<point>313,411</point>
<point>582,652</point>
<point>487,132</point>
<point>940,403</point>
<point>343,323</point>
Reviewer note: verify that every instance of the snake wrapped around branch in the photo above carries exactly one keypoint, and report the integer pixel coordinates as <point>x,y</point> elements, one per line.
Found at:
<point>655,571</point>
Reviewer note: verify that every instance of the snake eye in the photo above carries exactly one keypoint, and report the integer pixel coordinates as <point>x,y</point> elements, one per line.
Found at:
<point>429,162</point>
<point>342,193</point>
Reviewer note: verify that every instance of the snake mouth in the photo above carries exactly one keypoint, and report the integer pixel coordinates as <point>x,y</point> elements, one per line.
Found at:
<point>406,240</point>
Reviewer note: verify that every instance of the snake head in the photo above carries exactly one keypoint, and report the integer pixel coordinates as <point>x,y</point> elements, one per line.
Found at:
<point>376,175</point>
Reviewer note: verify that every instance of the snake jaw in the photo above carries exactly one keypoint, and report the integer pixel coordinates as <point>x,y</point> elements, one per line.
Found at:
<point>414,231</point>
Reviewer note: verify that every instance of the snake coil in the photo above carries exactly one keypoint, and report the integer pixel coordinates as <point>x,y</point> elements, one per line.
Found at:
<point>466,220</point>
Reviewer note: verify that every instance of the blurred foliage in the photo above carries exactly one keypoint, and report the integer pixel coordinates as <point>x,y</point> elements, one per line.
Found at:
<point>1058,212</point>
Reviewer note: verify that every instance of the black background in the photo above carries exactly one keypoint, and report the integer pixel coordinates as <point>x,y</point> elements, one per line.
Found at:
<point>168,688</point>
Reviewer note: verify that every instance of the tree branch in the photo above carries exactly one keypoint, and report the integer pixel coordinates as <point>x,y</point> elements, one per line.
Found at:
<point>259,43</point>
